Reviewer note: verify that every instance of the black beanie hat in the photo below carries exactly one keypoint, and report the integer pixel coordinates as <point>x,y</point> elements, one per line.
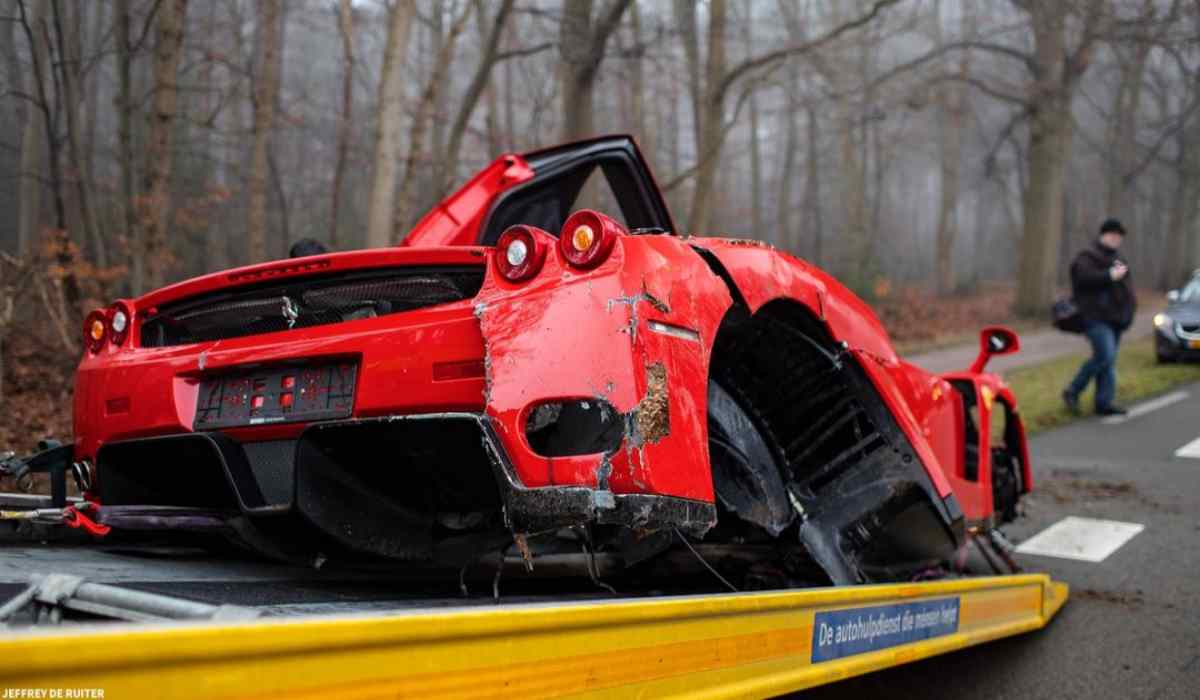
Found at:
<point>1112,225</point>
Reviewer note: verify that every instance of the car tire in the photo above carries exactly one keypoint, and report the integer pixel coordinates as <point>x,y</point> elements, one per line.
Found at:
<point>746,476</point>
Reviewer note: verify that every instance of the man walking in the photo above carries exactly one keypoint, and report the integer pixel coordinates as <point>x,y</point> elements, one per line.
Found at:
<point>1103,292</point>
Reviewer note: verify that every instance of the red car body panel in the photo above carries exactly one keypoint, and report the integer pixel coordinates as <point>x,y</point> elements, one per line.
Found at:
<point>763,274</point>
<point>599,324</point>
<point>154,390</point>
<point>637,332</point>
<point>975,495</point>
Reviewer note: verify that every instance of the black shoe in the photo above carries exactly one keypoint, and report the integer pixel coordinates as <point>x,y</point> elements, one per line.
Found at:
<point>1072,402</point>
<point>1113,410</point>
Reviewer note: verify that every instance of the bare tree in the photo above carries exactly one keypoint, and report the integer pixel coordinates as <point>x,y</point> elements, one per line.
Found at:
<point>151,242</point>
<point>345,118</point>
<point>420,125</point>
<point>266,96</point>
<point>37,34</point>
<point>1056,67</point>
<point>479,82</point>
<point>70,72</point>
<point>719,82</point>
<point>33,141</point>
<point>123,20</point>
<point>581,49</point>
<point>952,107</point>
<point>387,144</point>
<point>711,119</point>
<point>756,178</point>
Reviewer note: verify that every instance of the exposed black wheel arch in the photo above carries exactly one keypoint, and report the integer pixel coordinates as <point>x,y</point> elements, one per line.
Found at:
<point>861,501</point>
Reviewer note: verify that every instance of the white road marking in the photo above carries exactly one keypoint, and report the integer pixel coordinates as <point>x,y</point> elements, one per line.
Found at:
<point>1190,450</point>
<point>1145,407</point>
<point>1082,539</point>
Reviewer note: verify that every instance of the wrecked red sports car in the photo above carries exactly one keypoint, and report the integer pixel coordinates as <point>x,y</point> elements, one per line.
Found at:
<point>519,376</point>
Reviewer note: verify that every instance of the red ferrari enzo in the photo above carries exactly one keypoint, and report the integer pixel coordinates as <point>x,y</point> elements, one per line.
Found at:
<point>523,375</point>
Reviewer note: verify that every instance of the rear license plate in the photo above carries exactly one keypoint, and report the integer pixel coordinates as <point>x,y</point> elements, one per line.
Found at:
<point>1194,344</point>
<point>277,395</point>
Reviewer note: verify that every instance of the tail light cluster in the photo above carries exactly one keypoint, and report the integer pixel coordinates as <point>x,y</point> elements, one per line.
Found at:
<point>586,240</point>
<point>521,251</point>
<point>104,326</point>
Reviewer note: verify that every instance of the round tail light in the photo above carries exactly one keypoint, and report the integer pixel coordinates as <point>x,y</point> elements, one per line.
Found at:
<point>95,331</point>
<point>119,320</point>
<point>520,252</point>
<point>588,238</point>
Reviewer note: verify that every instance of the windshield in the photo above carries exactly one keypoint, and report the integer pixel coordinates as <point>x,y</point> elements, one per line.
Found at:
<point>1192,291</point>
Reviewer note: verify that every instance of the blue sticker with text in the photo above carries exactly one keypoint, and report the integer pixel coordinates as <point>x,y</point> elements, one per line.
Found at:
<point>840,633</point>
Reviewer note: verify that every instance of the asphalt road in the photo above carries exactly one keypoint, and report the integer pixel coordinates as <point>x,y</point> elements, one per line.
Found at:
<point>1131,628</point>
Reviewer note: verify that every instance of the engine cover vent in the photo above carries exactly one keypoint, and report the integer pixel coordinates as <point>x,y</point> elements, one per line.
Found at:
<point>307,302</point>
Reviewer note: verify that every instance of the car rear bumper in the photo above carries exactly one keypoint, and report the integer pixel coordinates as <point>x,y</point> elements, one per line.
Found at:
<point>425,469</point>
<point>401,368</point>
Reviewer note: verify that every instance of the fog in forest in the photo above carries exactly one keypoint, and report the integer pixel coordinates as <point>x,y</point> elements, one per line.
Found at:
<point>940,143</point>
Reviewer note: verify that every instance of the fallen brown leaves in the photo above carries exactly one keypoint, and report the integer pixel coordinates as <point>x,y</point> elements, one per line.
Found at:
<point>38,387</point>
<point>917,314</point>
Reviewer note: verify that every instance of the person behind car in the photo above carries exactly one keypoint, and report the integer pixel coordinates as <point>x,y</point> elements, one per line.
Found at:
<point>1103,291</point>
<point>305,247</point>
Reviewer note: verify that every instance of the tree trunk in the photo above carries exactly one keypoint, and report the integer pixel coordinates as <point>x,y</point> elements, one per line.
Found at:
<point>574,39</point>
<point>510,119</point>
<point>711,131</point>
<point>952,106</point>
<point>812,190</point>
<point>13,71</point>
<point>70,72</point>
<point>346,29</point>
<point>91,99</point>
<point>216,242</point>
<point>479,82</point>
<point>581,49</point>
<point>167,51</point>
<point>1050,134</point>
<point>1122,136</point>
<point>689,36</point>
<point>641,129</point>
<point>495,137</point>
<point>33,149</point>
<point>437,115</point>
<point>391,114</point>
<point>420,125</point>
<point>756,220</point>
<point>266,92</point>
<point>125,157</point>
<point>784,225</point>
<point>37,34</point>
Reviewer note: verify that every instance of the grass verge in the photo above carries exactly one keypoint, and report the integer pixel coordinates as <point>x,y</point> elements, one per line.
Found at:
<point>1139,376</point>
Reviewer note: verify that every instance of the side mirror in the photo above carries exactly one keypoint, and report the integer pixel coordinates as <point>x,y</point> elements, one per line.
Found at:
<point>1173,295</point>
<point>994,340</point>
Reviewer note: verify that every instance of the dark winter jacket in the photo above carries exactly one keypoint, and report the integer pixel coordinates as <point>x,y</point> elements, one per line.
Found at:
<point>1098,297</point>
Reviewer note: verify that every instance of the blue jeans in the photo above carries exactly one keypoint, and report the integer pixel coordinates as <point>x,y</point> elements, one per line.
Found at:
<point>1102,365</point>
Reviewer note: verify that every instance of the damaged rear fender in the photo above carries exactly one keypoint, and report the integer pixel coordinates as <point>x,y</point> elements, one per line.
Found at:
<point>633,334</point>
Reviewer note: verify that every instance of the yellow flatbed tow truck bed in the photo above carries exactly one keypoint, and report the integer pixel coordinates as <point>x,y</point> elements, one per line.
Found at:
<point>756,644</point>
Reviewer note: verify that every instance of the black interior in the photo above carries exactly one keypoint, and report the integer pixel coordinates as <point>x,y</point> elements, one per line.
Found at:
<point>549,198</point>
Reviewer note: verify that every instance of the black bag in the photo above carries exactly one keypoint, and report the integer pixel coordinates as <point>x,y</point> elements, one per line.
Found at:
<point>1065,315</point>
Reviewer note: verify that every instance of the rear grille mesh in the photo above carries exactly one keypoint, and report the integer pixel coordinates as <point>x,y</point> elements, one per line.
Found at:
<point>308,302</point>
